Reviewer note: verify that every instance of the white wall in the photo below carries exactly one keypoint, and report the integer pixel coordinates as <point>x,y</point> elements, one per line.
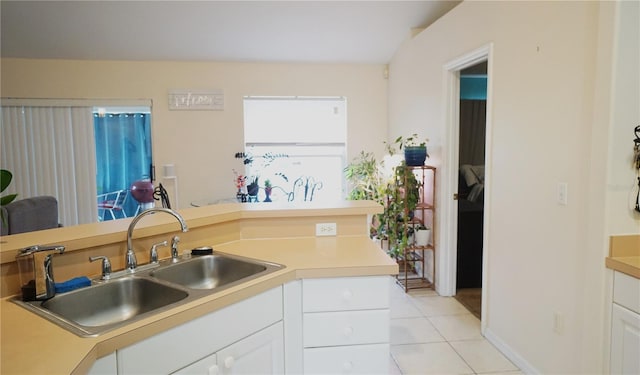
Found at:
<point>202,144</point>
<point>625,115</point>
<point>551,64</point>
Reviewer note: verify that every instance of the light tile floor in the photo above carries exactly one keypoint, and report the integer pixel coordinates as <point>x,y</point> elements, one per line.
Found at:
<point>431,334</point>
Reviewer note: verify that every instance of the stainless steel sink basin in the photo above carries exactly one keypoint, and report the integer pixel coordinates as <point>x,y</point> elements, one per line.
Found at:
<point>151,289</point>
<point>212,271</point>
<point>101,307</point>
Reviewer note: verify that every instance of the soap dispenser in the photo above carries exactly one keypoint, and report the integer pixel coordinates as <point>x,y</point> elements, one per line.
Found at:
<point>36,271</point>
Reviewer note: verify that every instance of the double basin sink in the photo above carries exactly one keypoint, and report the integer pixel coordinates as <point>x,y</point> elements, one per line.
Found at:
<point>151,289</point>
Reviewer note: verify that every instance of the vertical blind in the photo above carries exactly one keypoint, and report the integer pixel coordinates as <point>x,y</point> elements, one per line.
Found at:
<point>50,151</point>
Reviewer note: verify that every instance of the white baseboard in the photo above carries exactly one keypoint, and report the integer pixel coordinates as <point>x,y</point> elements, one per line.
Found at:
<point>511,354</point>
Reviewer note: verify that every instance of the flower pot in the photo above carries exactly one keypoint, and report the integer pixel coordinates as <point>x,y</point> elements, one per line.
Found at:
<point>267,193</point>
<point>422,237</point>
<point>415,156</point>
<point>252,189</point>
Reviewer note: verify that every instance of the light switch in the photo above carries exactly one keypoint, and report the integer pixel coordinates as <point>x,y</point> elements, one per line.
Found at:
<point>563,191</point>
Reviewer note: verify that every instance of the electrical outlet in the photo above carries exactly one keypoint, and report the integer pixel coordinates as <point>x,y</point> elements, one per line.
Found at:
<point>326,229</point>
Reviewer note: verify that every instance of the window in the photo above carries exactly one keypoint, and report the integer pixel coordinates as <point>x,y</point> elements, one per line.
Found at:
<point>298,144</point>
<point>51,145</point>
<point>123,156</point>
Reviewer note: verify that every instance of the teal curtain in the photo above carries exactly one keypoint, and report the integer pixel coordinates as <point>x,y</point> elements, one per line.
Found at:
<point>473,87</point>
<point>123,152</point>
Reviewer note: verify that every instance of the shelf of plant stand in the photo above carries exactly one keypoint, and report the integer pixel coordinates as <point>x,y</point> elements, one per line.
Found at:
<point>413,281</point>
<point>416,247</point>
<point>426,206</point>
<point>410,256</point>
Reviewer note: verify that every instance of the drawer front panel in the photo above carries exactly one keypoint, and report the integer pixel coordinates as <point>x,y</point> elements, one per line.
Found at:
<point>626,291</point>
<point>346,328</point>
<point>345,293</point>
<point>359,359</point>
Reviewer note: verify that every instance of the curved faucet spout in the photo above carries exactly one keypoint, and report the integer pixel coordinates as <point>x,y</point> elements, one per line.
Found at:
<point>131,262</point>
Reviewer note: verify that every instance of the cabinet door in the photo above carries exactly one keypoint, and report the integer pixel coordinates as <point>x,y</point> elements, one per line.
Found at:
<point>205,366</point>
<point>187,343</point>
<point>260,353</point>
<point>625,341</point>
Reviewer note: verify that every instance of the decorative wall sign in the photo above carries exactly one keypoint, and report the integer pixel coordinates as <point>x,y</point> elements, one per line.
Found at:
<point>193,100</point>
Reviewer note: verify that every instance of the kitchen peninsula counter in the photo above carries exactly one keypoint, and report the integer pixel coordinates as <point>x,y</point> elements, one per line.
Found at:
<point>33,345</point>
<point>624,254</point>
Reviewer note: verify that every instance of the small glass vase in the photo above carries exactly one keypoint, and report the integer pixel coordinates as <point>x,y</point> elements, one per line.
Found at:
<point>267,193</point>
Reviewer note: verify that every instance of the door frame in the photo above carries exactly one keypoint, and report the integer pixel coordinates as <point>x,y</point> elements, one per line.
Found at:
<point>449,231</point>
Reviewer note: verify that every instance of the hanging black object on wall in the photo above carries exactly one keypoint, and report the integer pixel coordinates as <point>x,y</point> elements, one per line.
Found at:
<point>636,161</point>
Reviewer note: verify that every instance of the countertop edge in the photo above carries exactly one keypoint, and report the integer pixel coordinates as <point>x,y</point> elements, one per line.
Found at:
<point>626,265</point>
<point>88,350</point>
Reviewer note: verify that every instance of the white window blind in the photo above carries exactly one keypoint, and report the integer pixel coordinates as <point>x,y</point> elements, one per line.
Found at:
<point>295,120</point>
<point>50,151</point>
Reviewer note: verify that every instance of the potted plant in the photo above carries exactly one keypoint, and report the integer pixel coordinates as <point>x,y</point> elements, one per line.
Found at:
<point>398,194</point>
<point>5,180</point>
<point>422,235</point>
<point>253,187</point>
<point>367,183</point>
<point>258,166</point>
<point>415,149</point>
<point>267,190</point>
<point>403,195</point>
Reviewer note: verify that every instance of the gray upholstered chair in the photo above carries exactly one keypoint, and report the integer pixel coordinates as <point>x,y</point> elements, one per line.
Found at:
<point>30,214</point>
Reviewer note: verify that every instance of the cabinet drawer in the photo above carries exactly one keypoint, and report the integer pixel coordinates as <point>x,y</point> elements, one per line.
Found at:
<point>358,359</point>
<point>345,293</point>
<point>346,328</point>
<point>626,291</point>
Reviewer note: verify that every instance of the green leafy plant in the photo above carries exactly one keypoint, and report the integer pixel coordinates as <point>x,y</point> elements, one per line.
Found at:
<point>398,194</point>
<point>413,141</point>
<point>5,180</point>
<point>364,176</point>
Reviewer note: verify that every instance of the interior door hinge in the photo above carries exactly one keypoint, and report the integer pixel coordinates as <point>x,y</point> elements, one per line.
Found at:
<point>455,196</point>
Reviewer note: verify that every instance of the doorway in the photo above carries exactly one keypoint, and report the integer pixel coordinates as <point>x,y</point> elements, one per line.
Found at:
<point>447,264</point>
<point>471,166</point>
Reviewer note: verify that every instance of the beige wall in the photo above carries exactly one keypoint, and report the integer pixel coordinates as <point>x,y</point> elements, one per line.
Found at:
<point>551,79</point>
<point>201,144</point>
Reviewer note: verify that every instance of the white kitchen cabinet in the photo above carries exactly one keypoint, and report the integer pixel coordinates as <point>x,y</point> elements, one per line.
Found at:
<point>345,325</point>
<point>625,341</point>
<point>178,347</point>
<point>625,325</point>
<point>260,353</point>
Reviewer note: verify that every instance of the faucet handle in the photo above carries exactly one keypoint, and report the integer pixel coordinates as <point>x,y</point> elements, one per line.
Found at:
<point>174,248</point>
<point>153,255</point>
<point>106,266</point>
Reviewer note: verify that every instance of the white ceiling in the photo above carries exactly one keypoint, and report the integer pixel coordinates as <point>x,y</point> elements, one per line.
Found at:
<point>272,31</point>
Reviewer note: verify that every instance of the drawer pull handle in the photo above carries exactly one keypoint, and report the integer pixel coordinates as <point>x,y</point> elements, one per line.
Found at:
<point>347,366</point>
<point>348,331</point>
<point>347,295</point>
<point>228,362</point>
<point>213,370</point>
